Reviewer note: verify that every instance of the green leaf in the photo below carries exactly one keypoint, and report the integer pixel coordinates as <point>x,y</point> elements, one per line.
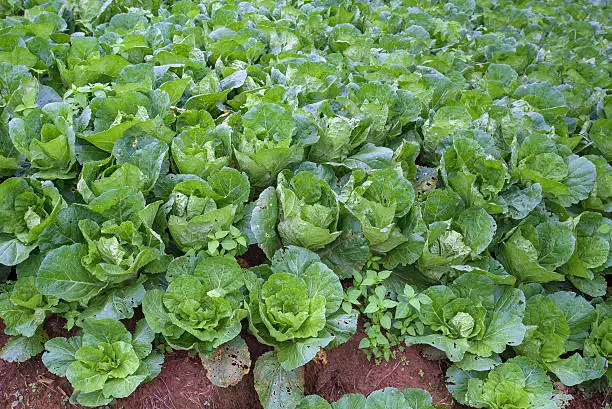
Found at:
<point>579,315</point>
<point>153,309</point>
<point>576,369</point>
<point>117,303</point>
<point>106,330</point>
<point>13,252</point>
<point>292,355</point>
<point>60,354</point>
<point>477,227</point>
<point>62,275</point>
<point>313,402</point>
<point>20,348</point>
<point>142,338</point>
<point>275,386</point>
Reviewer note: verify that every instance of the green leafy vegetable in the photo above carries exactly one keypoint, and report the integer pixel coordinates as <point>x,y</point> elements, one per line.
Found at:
<point>517,383</point>
<point>105,362</point>
<point>471,315</point>
<point>27,206</point>
<point>202,306</point>
<point>294,305</point>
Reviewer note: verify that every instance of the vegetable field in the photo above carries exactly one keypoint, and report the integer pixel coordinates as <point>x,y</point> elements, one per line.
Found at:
<point>300,204</point>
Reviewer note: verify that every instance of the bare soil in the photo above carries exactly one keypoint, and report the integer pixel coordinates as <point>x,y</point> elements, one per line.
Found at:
<point>29,385</point>
<point>346,369</point>
<point>595,401</point>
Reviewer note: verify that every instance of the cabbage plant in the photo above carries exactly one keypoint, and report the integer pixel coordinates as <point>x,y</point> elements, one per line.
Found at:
<point>199,209</point>
<point>536,248</point>
<point>27,207</point>
<point>203,304</point>
<point>270,140</point>
<point>294,305</point>
<point>558,324</point>
<point>409,398</point>
<point>24,308</point>
<point>202,149</point>
<point>46,138</point>
<point>302,211</point>
<point>517,383</point>
<point>471,317</point>
<point>105,361</point>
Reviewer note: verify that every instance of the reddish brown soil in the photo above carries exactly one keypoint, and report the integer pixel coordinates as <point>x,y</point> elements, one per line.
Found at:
<point>580,401</point>
<point>29,385</point>
<point>183,384</point>
<point>596,401</point>
<point>346,369</point>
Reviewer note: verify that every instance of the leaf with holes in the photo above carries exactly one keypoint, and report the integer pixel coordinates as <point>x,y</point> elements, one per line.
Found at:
<point>277,388</point>
<point>226,365</point>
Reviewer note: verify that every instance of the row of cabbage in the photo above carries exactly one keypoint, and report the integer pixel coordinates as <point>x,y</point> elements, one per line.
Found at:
<point>452,159</point>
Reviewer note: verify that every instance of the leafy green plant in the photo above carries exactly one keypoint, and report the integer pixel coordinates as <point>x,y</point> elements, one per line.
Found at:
<point>474,167</point>
<point>471,316</point>
<point>452,161</point>
<point>457,239</point>
<point>200,212</point>
<point>202,149</point>
<point>558,323</point>
<point>202,306</point>
<point>27,206</point>
<point>390,315</point>
<point>518,383</point>
<point>591,257</point>
<point>270,139</point>
<point>105,362</point>
<point>294,305</point>
<point>564,177</point>
<point>381,201</point>
<point>135,161</point>
<point>304,212</point>
<point>410,398</point>
<point>114,241</point>
<point>23,311</point>
<point>598,341</point>
<point>47,140</point>
<point>536,248</point>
